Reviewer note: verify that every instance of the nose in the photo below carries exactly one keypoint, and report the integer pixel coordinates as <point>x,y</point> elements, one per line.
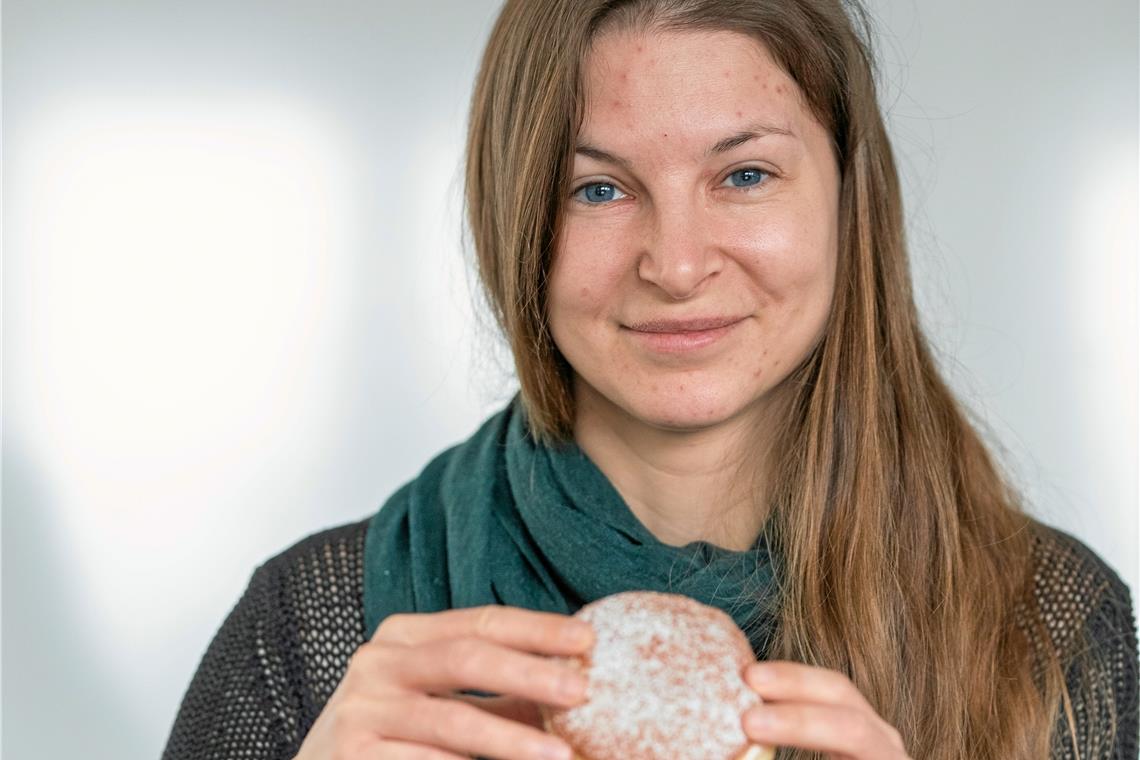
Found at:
<point>679,254</point>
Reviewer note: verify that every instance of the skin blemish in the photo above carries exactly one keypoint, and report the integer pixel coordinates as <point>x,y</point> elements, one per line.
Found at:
<point>739,114</point>
<point>616,103</point>
<point>585,292</point>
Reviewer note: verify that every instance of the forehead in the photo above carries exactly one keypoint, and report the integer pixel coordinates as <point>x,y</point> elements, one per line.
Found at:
<point>688,83</point>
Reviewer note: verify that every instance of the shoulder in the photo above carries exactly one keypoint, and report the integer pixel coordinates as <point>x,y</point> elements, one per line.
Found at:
<point>317,578</point>
<point>317,586</point>
<point>300,620</point>
<point>1073,582</point>
<point>336,551</point>
<point>1079,593</point>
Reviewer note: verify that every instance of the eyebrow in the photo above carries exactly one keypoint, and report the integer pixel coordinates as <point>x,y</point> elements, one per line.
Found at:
<point>753,132</point>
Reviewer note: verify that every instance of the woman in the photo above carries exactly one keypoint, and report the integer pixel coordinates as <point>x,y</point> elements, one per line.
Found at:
<point>688,224</point>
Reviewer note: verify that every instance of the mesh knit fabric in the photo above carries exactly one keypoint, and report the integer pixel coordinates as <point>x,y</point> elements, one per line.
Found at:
<point>285,646</point>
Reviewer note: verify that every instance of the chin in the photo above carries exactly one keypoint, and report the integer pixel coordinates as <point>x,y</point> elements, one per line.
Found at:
<point>667,401</point>
<point>683,411</point>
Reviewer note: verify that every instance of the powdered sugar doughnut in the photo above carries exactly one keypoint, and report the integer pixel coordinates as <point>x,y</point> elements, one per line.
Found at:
<point>665,682</point>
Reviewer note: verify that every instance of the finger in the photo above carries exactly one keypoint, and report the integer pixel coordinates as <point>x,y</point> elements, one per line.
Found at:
<point>459,727</point>
<point>512,708</point>
<point>531,631</point>
<point>442,667</point>
<point>844,731</point>
<point>393,750</point>
<point>784,681</point>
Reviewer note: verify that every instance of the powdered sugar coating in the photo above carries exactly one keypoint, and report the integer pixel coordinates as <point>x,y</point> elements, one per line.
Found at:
<point>665,681</point>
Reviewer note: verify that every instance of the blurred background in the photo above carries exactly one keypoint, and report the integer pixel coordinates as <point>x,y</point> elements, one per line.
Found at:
<point>236,309</point>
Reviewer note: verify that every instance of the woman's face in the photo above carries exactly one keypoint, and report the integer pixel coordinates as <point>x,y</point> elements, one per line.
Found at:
<point>704,195</point>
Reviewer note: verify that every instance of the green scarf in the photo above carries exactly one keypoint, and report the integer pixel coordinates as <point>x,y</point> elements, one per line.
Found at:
<point>500,519</point>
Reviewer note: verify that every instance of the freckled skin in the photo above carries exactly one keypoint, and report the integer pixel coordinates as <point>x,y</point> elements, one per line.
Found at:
<point>680,241</point>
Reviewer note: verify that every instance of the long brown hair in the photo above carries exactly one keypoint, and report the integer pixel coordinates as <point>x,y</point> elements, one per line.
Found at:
<point>906,560</point>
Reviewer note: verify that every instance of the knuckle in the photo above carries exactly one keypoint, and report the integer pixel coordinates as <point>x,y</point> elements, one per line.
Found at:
<point>485,621</point>
<point>529,674</point>
<point>392,627</point>
<point>437,727</point>
<point>554,680</point>
<point>398,716</point>
<point>368,663</point>
<point>864,729</point>
<point>458,658</point>
<point>842,690</point>
<point>341,720</point>
<point>364,656</point>
<point>466,721</point>
<point>360,662</point>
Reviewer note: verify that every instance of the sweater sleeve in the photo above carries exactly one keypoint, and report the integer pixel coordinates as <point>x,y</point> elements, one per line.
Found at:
<point>239,703</point>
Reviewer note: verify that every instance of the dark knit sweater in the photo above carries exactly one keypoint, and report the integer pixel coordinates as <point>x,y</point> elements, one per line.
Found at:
<point>286,644</point>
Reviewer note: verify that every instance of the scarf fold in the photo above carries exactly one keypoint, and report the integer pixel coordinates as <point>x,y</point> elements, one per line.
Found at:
<point>501,519</point>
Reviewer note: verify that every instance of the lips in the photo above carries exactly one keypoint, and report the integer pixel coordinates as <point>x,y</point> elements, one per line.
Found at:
<point>697,324</point>
<point>691,338</point>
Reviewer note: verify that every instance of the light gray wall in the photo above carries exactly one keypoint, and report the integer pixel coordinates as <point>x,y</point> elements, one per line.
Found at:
<point>235,309</point>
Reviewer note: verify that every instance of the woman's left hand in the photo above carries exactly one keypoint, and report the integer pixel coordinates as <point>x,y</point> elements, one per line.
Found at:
<point>818,709</point>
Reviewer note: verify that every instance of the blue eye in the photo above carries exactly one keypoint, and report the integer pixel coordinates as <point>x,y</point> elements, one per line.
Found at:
<point>597,193</point>
<point>748,177</point>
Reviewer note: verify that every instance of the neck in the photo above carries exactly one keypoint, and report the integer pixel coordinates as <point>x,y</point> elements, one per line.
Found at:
<point>683,485</point>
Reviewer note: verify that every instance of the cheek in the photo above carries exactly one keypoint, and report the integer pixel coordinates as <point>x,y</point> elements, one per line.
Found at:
<point>790,254</point>
<point>585,276</point>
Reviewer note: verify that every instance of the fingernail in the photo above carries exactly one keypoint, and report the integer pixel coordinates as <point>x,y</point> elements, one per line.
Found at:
<point>554,751</point>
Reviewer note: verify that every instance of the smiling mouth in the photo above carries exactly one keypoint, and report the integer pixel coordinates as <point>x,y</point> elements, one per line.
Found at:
<point>682,336</point>
<point>676,326</point>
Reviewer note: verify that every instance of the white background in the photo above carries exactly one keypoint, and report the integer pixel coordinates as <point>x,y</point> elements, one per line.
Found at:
<point>236,308</point>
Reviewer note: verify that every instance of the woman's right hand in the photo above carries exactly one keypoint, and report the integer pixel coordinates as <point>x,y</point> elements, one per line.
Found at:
<point>397,700</point>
